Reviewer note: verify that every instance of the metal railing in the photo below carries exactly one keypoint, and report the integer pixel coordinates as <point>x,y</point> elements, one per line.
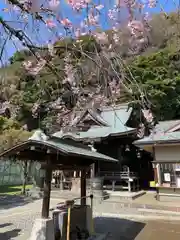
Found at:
<point>120,175</point>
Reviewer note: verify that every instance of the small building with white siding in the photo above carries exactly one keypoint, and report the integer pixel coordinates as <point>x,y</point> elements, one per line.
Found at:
<point>164,144</point>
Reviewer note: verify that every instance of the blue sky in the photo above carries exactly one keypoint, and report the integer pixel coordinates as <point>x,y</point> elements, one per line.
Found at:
<point>167,5</point>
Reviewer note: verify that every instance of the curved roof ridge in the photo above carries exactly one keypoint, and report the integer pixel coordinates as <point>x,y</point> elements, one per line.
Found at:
<point>115,107</point>
<point>98,117</point>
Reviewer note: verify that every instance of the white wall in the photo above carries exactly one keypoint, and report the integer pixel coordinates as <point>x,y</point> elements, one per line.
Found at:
<point>166,153</point>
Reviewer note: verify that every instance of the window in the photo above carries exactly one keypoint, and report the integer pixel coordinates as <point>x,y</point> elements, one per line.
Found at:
<point>169,174</point>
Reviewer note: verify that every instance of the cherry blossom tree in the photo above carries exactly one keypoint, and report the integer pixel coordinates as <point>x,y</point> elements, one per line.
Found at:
<point>41,26</point>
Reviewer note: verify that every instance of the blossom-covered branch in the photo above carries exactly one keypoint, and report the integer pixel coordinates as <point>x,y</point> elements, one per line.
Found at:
<point>92,70</point>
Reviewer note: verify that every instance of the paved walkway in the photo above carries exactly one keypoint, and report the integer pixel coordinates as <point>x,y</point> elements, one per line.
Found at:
<point>122,223</point>
<point>146,201</point>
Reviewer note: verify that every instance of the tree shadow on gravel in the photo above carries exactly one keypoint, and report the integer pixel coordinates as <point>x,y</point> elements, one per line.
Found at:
<point>5,225</point>
<point>10,234</point>
<point>10,201</point>
<point>119,229</point>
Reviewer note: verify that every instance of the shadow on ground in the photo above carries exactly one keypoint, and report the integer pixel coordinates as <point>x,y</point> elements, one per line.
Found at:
<point>10,234</point>
<point>10,201</point>
<point>118,228</point>
<point>5,225</point>
<point>7,235</point>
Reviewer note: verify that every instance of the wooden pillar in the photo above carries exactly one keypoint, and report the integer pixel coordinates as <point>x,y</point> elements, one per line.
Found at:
<point>75,174</point>
<point>83,187</point>
<point>92,170</point>
<point>47,192</point>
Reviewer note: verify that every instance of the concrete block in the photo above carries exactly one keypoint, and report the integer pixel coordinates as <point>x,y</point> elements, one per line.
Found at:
<point>35,193</point>
<point>81,217</point>
<point>43,229</point>
<point>76,185</point>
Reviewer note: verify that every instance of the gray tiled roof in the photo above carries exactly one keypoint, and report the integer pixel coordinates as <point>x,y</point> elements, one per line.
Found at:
<point>162,134</point>
<point>80,150</point>
<point>65,147</point>
<point>164,126</point>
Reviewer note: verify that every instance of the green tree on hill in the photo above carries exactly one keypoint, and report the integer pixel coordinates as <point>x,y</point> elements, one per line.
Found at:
<point>159,75</point>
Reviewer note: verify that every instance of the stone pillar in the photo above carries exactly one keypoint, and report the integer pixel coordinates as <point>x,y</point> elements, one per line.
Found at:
<point>76,185</point>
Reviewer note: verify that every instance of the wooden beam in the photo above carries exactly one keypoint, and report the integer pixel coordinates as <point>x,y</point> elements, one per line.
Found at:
<point>47,191</point>
<point>62,167</point>
<point>31,155</point>
<point>83,187</point>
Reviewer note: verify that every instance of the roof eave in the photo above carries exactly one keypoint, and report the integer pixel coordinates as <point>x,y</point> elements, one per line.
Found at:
<point>12,151</point>
<point>98,139</point>
<point>22,146</point>
<point>161,142</point>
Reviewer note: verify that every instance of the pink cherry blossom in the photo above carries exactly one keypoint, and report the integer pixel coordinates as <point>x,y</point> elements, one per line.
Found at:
<point>136,27</point>
<point>50,23</point>
<point>34,69</point>
<point>66,22</point>
<point>101,37</point>
<point>99,7</point>
<point>93,19</point>
<point>148,115</point>
<point>77,4</point>
<point>48,16</point>
<point>152,3</point>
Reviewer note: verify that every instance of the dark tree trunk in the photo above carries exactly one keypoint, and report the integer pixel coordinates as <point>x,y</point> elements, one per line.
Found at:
<point>25,175</point>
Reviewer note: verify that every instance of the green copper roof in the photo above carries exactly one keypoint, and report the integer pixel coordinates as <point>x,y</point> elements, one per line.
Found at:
<point>117,116</point>
<point>95,132</point>
<point>64,147</point>
<point>115,119</point>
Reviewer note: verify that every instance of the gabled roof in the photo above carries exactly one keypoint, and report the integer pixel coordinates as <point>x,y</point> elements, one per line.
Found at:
<point>171,137</point>
<point>61,146</point>
<point>112,123</point>
<point>164,132</point>
<point>166,126</point>
<point>116,116</point>
<point>94,115</point>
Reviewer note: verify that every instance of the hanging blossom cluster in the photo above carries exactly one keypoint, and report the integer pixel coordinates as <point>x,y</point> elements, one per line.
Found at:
<point>52,14</point>
<point>85,17</point>
<point>91,16</point>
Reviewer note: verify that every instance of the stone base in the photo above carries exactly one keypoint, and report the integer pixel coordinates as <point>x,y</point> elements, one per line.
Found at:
<point>35,192</point>
<point>169,198</point>
<point>81,216</point>
<point>76,185</point>
<point>124,196</point>
<point>43,229</point>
